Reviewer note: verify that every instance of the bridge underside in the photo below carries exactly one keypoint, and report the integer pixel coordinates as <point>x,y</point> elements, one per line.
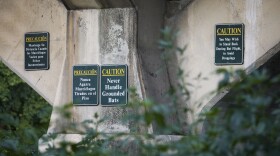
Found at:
<point>96,4</point>
<point>269,62</point>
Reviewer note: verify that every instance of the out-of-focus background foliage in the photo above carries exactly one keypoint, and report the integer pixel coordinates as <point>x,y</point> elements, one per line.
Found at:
<point>248,123</point>
<point>24,115</point>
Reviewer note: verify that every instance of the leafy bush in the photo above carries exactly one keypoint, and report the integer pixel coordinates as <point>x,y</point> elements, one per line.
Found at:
<point>248,123</point>
<point>24,115</point>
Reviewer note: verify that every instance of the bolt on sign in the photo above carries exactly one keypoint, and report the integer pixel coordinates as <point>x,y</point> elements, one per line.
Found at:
<point>229,44</point>
<point>85,85</point>
<point>113,85</point>
<point>37,51</point>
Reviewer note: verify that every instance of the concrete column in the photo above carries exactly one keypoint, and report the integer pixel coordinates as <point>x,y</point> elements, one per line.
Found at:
<point>104,36</point>
<point>95,36</point>
<point>20,17</point>
<point>155,75</point>
<point>196,24</point>
<point>96,4</point>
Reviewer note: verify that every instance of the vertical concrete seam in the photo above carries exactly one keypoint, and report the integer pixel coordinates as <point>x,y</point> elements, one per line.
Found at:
<point>183,5</point>
<point>132,3</point>
<point>137,55</point>
<point>233,4</point>
<point>68,5</point>
<point>13,51</point>
<point>252,16</point>
<point>65,69</point>
<point>138,61</point>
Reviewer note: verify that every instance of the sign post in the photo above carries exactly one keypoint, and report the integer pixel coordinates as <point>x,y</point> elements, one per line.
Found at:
<point>85,85</point>
<point>229,45</point>
<point>37,51</point>
<point>113,85</point>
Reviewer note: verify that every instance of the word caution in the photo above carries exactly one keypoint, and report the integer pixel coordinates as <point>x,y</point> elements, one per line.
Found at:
<point>229,44</point>
<point>111,79</point>
<point>113,85</point>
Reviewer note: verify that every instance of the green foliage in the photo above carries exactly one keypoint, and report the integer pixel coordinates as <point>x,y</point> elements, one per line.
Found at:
<point>248,123</point>
<point>24,115</point>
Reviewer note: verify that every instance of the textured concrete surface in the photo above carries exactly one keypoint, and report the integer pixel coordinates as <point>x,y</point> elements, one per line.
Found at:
<point>118,46</point>
<point>175,6</point>
<point>150,20</point>
<point>108,36</point>
<point>36,15</point>
<point>96,4</point>
<point>102,36</point>
<point>131,147</point>
<point>97,36</point>
<point>154,70</point>
<point>196,25</point>
<point>54,84</point>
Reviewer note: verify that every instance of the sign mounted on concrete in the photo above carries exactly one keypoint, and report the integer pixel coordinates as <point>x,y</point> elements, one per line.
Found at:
<point>37,51</point>
<point>85,85</point>
<point>229,44</point>
<point>113,85</point>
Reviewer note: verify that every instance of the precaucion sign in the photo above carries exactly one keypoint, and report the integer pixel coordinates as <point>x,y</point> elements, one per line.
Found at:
<point>37,51</point>
<point>229,45</point>
<point>85,85</point>
<point>113,84</point>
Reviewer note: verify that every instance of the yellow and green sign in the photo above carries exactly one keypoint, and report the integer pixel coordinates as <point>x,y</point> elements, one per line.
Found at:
<point>37,51</point>
<point>113,85</point>
<point>85,85</point>
<point>229,44</point>
<point>105,85</point>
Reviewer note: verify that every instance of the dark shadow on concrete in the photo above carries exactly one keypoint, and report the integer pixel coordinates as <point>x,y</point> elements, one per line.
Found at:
<point>270,61</point>
<point>96,4</point>
<point>150,14</point>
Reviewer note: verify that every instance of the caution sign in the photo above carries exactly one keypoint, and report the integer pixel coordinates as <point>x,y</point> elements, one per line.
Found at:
<point>37,51</point>
<point>85,85</point>
<point>229,45</point>
<point>113,85</point>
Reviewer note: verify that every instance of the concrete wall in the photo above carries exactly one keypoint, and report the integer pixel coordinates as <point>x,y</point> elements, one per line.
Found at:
<point>156,81</point>
<point>150,20</point>
<point>196,25</point>
<point>105,36</point>
<point>108,36</point>
<point>19,17</point>
<point>94,36</point>
<point>96,4</point>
